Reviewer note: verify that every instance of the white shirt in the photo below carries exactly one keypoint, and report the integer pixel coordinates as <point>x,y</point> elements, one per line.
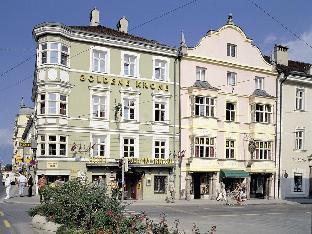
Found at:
<point>22,179</point>
<point>7,182</point>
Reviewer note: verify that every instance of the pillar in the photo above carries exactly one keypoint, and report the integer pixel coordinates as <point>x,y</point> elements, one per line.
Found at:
<point>210,186</point>
<point>188,179</point>
<point>310,182</point>
<point>214,186</point>
<point>248,180</point>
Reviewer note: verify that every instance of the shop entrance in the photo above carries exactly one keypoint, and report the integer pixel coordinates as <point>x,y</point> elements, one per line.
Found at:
<point>196,184</point>
<point>201,185</point>
<point>258,186</point>
<point>133,185</point>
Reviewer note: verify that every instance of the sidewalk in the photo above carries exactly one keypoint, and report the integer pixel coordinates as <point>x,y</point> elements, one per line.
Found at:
<point>15,198</point>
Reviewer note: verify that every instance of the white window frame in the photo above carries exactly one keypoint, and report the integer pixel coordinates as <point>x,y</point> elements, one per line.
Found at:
<point>300,100</point>
<point>205,146</point>
<point>267,116</point>
<point>98,106</point>
<point>231,75</point>
<point>47,102</point>
<point>107,59</point>
<point>136,145</point>
<point>133,96</point>
<point>166,68</point>
<point>59,51</point>
<point>136,67</point>
<point>46,142</point>
<point>100,91</point>
<point>229,50</point>
<point>259,83</point>
<point>263,148</point>
<point>299,139</point>
<point>201,73</point>
<point>96,144</point>
<point>166,147</point>
<point>229,149</point>
<point>205,106</point>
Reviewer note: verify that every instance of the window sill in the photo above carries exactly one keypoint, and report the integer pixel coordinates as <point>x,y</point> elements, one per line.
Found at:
<point>161,123</point>
<point>263,160</point>
<point>99,119</point>
<point>204,117</point>
<point>205,158</point>
<point>299,110</point>
<point>53,65</point>
<point>231,122</point>
<point>159,192</point>
<point>300,150</point>
<point>262,123</point>
<point>99,72</point>
<point>130,121</point>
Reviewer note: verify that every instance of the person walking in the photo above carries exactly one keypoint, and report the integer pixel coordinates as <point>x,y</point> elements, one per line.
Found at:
<point>42,182</point>
<point>30,185</point>
<point>22,180</point>
<point>7,184</point>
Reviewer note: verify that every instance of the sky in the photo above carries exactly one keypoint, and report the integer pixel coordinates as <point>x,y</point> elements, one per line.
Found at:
<point>196,18</point>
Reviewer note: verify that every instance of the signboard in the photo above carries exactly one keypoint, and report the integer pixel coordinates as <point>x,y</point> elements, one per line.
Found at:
<point>52,165</point>
<point>25,144</point>
<point>147,161</point>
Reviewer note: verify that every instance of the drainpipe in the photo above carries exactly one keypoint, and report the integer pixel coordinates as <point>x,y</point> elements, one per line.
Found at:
<point>280,130</point>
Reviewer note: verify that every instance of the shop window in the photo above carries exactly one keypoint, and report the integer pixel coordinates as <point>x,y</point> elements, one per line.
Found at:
<point>160,70</point>
<point>99,106</point>
<point>128,147</point>
<point>54,53</point>
<point>204,106</point>
<point>200,74</point>
<point>160,184</point>
<point>230,149</point>
<point>205,147</point>
<point>298,182</point>
<point>99,143</point>
<point>230,111</point>
<point>160,149</point>
<point>263,150</point>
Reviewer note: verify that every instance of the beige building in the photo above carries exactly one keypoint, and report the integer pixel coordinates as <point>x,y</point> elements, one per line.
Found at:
<point>294,130</point>
<point>21,149</point>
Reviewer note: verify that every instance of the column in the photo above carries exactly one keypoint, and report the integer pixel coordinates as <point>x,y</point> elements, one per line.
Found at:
<point>188,179</point>
<point>267,187</point>
<point>248,179</point>
<point>210,190</point>
<point>214,186</point>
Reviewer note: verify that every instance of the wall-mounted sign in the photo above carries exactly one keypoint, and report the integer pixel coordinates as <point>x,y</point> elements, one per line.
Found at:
<point>52,165</point>
<point>24,144</point>
<point>97,160</point>
<point>125,83</point>
<point>81,148</point>
<point>150,161</point>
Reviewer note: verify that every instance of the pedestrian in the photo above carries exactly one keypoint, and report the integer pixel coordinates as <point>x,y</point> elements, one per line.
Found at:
<point>22,180</point>
<point>30,185</point>
<point>101,182</point>
<point>7,184</point>
<point>59,181</point>
<point>42,182</point>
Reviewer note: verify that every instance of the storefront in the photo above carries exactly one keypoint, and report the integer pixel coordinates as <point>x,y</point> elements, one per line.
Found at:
<point>260,185</point>
<point>200,184</point>
<point>232,178</point>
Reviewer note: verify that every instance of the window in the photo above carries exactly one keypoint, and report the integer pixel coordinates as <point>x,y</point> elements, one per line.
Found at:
<point>200,73</point>
<point>54,53</point>
<point>259,82</point>
<point>231,78</point>
<point>204,147</point>
<point>99,106</point>
<point>160,184</point>
<point>129,65</point>
<point>263,113</point>
<point>160,69</point>
<point>298,182</point>
<point>55,145</point>
<point>204,106</point>
<point>98,145</point>
<point>263,150</point>
<point>52,103</point>
<point>231,50</point>
<point>299,99</point>
<point>230,111</point>
<point>63,104</point>
<point>129,109</point>
<point>128,147</point>
<point>160,110</point>
<point>230,149</point>
<point>42,104</point>
<point>99,60</point>
<point>299,134</point>
<point>160,149</point>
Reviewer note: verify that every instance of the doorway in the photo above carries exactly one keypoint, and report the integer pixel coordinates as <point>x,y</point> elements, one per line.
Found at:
<point>257,186</point>
<point>196,185</point>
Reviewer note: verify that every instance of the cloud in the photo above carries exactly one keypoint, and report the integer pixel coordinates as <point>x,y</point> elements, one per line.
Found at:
<point>5,137</point>
<point>299,50</point>
<point>271,38</point>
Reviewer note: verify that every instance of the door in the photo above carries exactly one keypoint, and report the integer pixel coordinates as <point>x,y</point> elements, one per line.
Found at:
<point>196,184</point>
<point>257,186</point>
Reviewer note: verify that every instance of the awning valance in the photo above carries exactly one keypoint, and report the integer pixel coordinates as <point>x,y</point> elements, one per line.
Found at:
<point>233,173</point>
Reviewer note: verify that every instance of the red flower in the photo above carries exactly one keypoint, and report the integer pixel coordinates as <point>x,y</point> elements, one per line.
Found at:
<point>109,213</point>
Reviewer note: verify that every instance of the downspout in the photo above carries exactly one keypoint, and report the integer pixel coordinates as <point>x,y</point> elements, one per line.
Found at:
<point>174,125</point>
<point>280,131</point>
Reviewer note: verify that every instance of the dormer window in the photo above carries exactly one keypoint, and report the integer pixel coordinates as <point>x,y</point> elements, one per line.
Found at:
<point>259,82</point>
<point>231,50</point>
<point>200,74</point>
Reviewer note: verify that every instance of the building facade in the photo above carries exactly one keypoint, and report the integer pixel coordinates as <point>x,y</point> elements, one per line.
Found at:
<point>294,125</point>
<point>102,95</point>
<point>22,153</point>
<point>228,101</point>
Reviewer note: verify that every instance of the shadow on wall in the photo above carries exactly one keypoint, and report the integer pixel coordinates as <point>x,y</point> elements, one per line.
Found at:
<point>296,187</point>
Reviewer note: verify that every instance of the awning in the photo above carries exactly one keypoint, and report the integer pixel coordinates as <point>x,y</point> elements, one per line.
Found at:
<point>233,173</point>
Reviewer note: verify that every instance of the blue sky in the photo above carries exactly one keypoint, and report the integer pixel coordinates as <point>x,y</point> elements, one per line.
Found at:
<point>17,19</point>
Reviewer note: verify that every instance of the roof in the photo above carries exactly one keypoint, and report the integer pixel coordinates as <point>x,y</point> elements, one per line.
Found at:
<point>114,33</point>
<point>203,85</point>
<point>261,93</point>
<point>26,110</point>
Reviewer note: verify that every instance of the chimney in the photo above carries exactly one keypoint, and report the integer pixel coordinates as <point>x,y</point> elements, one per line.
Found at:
<point>122,25</point>
<point>281,55</point>
<point>95,17</point>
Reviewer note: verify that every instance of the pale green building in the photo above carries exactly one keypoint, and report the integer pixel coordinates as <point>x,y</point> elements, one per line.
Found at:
<point>101,95</point>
